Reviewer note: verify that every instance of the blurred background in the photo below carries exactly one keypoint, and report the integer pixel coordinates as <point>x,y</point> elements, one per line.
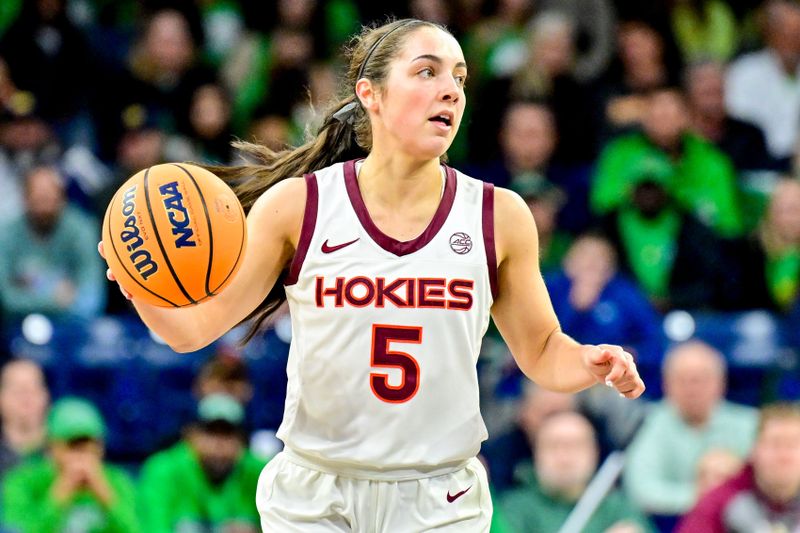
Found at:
<point>656,144</point>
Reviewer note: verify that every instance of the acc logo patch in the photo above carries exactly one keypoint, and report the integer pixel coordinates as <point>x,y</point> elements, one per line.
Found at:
<point>460,242</point>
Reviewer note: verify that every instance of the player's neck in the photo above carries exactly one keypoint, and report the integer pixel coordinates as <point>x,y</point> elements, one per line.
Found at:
<point>397,181</point>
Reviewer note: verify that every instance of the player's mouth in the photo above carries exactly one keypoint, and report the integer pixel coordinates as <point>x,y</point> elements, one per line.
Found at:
<point>443,120</point>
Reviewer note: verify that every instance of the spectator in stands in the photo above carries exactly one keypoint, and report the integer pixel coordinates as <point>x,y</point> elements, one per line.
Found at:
<point>741,141</point>
<point>704,29</point>
<point>764,495</point>
<point>504,452</point>
<point>661,468</point>
<point>593,301</point>
<point>205,482</point>
<point>73,489</point>
<point>565,459</point>
<point>702,180</point>
<point>528,140</point>
<point>763,87</point>
<point>224,373</point>
<point>48,262</point>
<point>644,61</point>
<point>23,409</point>
<point>765,267</point>
<point>715,467</point>
<point>545,201</point>
<point>209,125</point>
<point>675,259</point>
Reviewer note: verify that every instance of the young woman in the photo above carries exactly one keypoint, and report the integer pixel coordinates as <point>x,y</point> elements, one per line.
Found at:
<point>391,265</point>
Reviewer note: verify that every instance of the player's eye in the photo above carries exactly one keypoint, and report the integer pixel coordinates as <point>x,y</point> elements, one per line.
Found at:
<point>427,72</point>
<point>461,79</point>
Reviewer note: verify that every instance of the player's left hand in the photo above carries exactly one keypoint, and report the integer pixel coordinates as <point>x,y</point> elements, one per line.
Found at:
<point>614,367</point>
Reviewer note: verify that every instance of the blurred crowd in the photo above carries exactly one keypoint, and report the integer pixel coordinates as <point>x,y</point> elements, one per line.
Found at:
<point>656,143</point>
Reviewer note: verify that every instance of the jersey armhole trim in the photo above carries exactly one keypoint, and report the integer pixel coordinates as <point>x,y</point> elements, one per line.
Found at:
<point>488,236</point>
<point>307,231</point>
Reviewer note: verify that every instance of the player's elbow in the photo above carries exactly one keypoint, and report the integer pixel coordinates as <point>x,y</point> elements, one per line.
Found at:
<point>188,345</point>
<point>184,347</point>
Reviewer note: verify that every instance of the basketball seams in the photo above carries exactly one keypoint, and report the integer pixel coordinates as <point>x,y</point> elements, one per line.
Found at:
<point>210,231</point>
<point>119,259</point>
<point>158,239</point>
<point>236,264</point>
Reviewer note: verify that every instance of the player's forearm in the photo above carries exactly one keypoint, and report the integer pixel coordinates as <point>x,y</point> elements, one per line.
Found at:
<point>559,365</point>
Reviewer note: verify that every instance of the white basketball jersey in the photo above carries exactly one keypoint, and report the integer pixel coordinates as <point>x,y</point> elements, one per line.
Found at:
<point>386,334</point>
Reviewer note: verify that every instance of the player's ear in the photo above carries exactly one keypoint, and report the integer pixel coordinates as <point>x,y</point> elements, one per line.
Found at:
<point>367,93</point>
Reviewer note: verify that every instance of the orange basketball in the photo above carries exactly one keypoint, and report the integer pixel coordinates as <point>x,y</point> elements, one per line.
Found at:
<point>174,235</point>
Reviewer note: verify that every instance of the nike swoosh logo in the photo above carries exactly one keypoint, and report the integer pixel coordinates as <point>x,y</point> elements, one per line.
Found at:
<point>328,249</point>
<point>457,495</point>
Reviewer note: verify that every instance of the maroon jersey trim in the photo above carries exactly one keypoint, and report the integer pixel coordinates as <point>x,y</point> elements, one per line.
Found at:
<point>307,231</point>
<point>488,235</point>
<point>399,248</point>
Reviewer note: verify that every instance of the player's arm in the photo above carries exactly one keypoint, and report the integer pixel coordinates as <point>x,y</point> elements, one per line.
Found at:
<point>273,229</point>
<point>525,317</point>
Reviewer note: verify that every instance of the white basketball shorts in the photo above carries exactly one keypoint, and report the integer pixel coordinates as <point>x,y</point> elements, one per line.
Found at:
<point>294,497</point>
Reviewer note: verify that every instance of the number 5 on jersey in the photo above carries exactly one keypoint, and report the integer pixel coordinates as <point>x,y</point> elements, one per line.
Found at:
<point>383,356</point>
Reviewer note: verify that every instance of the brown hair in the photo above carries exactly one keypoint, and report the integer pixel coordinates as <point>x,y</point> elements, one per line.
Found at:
<point>338,138</point>
<point>778,411</point>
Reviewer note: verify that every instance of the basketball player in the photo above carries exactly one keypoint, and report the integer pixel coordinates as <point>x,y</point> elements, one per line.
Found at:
<point>391,266</point>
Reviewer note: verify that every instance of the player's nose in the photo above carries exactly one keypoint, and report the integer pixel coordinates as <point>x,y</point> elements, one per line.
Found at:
<point>450,91</point>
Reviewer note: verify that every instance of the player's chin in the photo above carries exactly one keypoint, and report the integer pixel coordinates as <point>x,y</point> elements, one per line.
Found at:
<point>433,148</point>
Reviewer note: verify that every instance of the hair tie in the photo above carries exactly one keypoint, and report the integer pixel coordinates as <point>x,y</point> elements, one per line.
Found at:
<point>346,114</point>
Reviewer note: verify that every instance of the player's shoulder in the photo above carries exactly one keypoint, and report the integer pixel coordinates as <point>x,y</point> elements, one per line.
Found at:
<point>509,205</point>
<point>286,198</point>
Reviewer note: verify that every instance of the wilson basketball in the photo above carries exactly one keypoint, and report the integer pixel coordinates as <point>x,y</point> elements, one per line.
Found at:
<point>174,235</point>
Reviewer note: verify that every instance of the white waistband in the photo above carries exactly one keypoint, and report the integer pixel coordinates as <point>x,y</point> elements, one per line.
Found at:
<point>356,471</point>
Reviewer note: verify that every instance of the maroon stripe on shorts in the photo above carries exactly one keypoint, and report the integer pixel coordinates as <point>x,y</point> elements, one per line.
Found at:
<point>307,231</point>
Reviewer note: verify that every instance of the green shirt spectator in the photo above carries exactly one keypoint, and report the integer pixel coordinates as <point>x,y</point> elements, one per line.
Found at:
<point>72,491</point>
<point>565,459</point>
<point>207,481</point>
<point>531,509</point>
<point>701,178</point>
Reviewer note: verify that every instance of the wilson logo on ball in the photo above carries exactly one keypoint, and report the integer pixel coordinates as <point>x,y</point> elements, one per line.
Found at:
<point>132,238</point>
<point>177,214</point>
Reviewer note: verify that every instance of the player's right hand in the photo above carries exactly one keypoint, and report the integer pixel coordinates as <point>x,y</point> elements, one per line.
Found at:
<point>613,366</point>
<point>110,275</point>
